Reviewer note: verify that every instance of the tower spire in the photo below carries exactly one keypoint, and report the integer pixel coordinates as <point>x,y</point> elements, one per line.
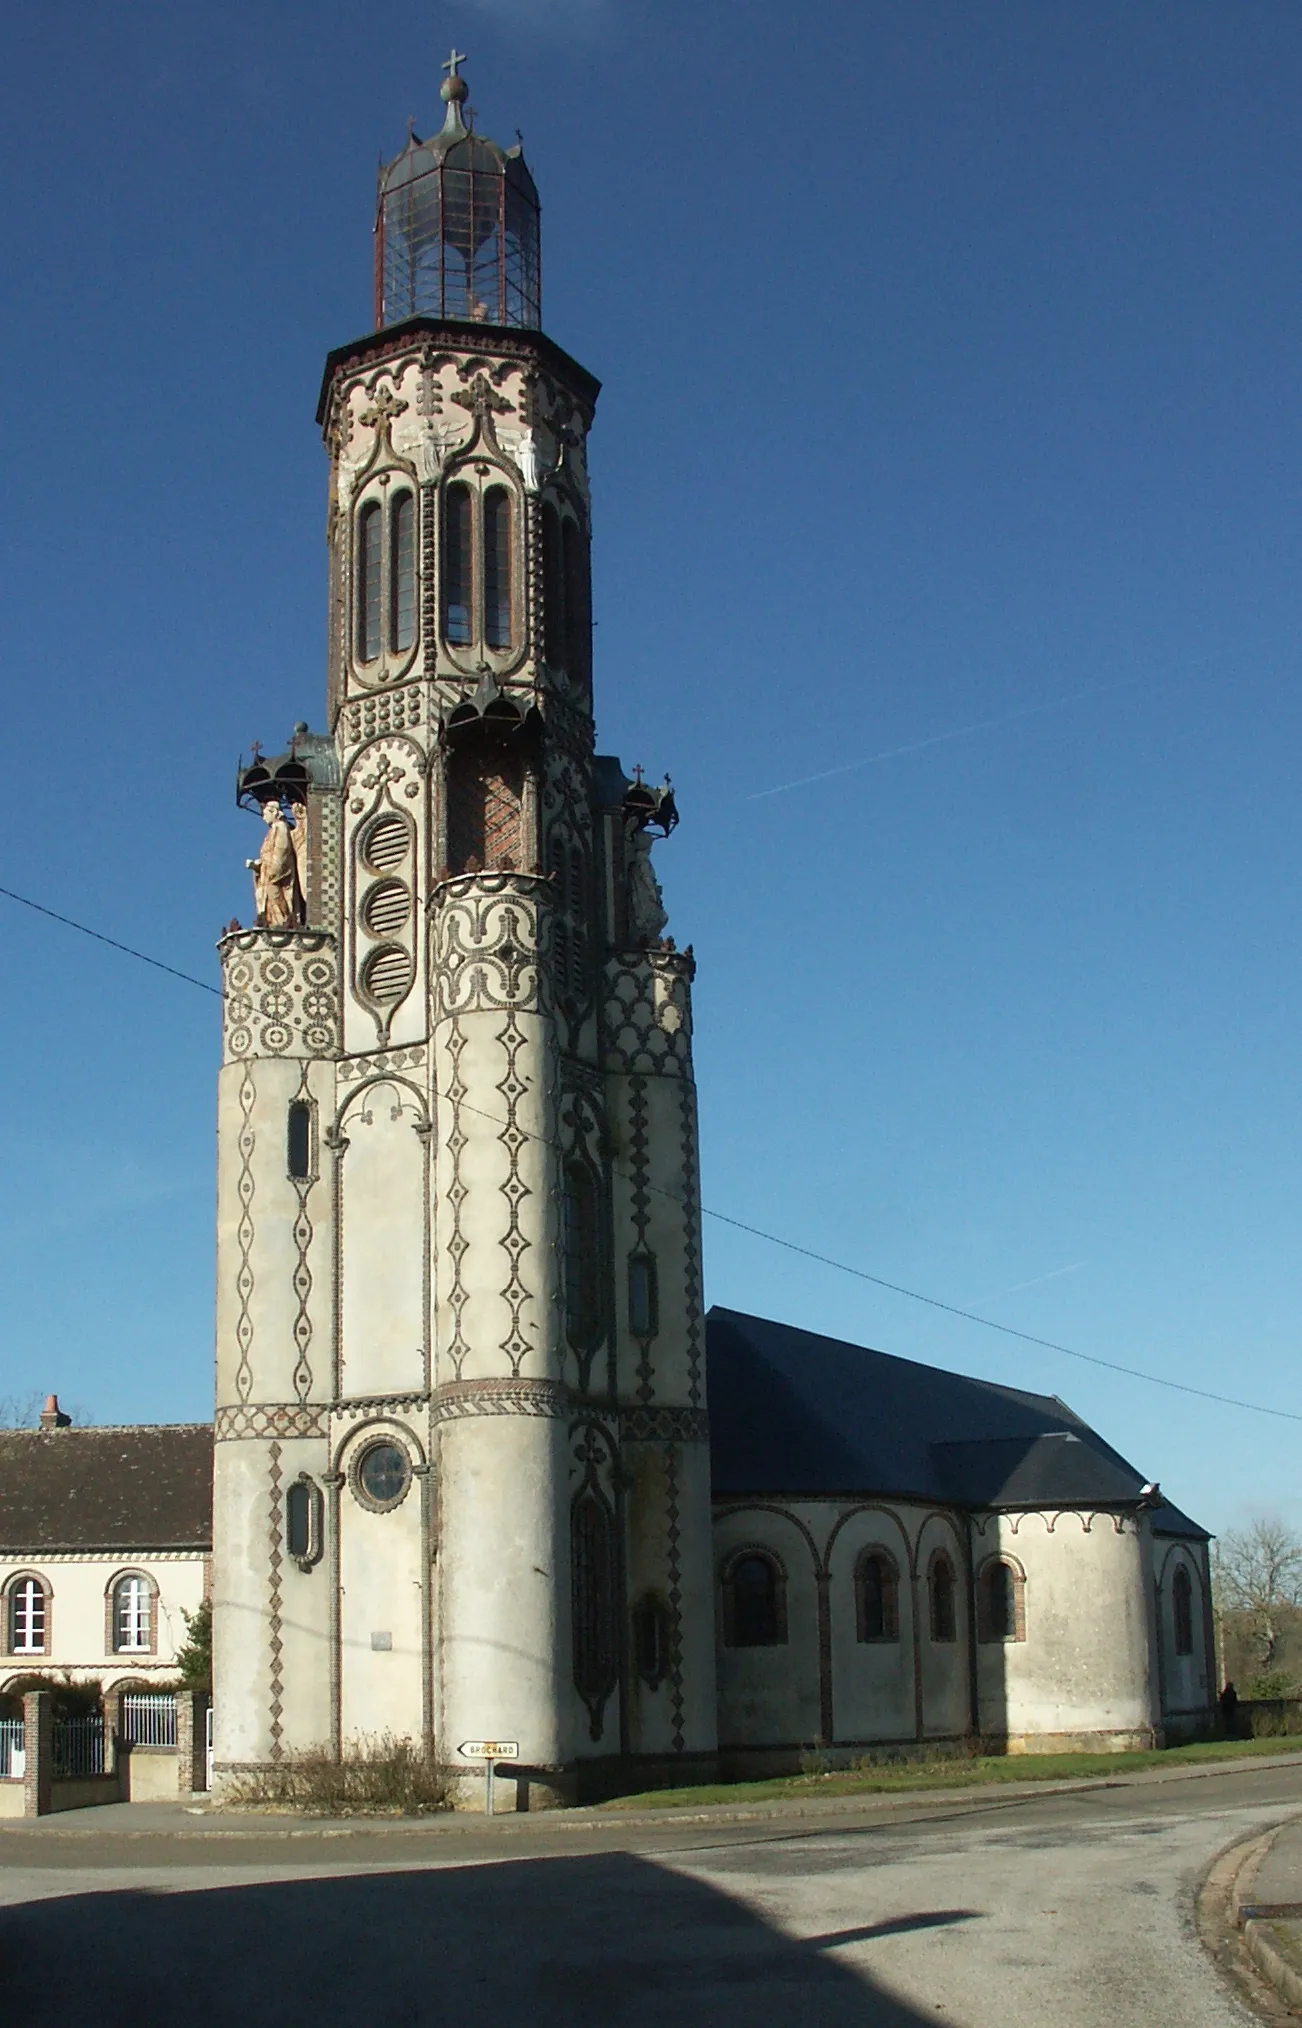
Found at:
<point>454,91</point>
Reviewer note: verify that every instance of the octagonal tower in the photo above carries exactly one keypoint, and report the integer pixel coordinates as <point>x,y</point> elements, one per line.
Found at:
<point>462,1485</point>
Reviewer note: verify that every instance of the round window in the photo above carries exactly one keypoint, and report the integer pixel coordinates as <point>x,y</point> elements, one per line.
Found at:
<point>382,1475</point>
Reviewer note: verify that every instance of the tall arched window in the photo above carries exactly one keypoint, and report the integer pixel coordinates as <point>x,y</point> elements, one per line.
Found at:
<point>754,1602</point>
<point>497,568</point>
<point>578,619</point>
<point>593,1599</point>
<point>582,1257</point>
<point>370,538</point>
<point>553,589</point>
<point>485,808</point>
<point>303,1522</point>
<point>944,1617</point>
<point>402,573</point>
<point>1182,1610</point>
<point>1000,1610</point>
<point>458,576</point>
<point>133,1615</point>
<point>27,1617</point>
<point>877,1597</point>
<point>298,1140</point>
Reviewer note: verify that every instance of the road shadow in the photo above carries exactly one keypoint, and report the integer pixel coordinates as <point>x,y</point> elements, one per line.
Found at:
<point>557,1943</point>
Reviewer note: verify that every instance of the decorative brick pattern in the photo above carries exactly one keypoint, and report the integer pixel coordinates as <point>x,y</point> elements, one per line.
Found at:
<point>283,1419</point>
<point>275,1642</point>
<point>282,993</point>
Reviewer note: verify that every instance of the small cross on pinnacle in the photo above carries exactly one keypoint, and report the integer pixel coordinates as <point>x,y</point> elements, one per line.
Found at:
<point>454,62</point>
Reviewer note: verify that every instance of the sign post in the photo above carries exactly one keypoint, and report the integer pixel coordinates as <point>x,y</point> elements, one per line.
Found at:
<point>489,1751</point>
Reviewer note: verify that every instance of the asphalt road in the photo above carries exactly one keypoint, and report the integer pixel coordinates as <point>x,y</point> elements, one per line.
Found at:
<point>1053,1911</point>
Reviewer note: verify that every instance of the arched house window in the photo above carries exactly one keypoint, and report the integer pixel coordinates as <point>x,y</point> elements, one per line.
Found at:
<point>877,1597</point>
<point>27,1616</point>
<point>754,1600</point>
<point>1182,1610</point>
<point>1001,1601</point>
<point>132,1614</point>
<point>942,1598</point>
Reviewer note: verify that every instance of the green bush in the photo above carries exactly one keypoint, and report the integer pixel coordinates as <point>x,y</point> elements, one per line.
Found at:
<point>378,1777</point>
<point>194,1661</point>
<point>1271,1685</point>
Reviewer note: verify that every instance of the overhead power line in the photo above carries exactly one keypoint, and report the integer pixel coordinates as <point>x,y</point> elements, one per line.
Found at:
<point>755,1231</point>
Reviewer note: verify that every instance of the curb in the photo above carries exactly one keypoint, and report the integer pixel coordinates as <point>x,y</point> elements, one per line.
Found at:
<point>1257,1920</point>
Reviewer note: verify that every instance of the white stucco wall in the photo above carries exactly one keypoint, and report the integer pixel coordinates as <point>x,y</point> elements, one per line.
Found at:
<point>78,1634</point>
<point>1087,1668</point>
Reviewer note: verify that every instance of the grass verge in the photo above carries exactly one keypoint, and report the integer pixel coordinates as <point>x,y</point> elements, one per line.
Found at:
<point>900,1777</point>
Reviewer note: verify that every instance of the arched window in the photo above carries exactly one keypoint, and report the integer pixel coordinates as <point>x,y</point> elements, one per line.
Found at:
<point>643,1296</point>
<point>592,1579</point>
<point>877,1597</point>
<point>940,1583</point>
<point>303,1517</point>
<point>298,1139</point>
<point>651,1641</point>
<point>458,585</point>
<point>27,1617</point>
<point>370,536</point>
<point>485,808</point>
<point>578,618</point>
<point>582,1258</point>
<point>133,1615</point>
<point>754,1602</point>
<point>402,573</point>
<point>553,589</point>
<point>1001,1613</point>
<point>497,568</point>
<point>1182,1610</point>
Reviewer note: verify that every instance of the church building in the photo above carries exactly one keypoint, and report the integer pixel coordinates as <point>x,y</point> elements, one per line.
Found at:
<point>481,1472</point>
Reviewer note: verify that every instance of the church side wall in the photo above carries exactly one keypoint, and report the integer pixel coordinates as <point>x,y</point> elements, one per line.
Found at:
<point>1081,1668</point>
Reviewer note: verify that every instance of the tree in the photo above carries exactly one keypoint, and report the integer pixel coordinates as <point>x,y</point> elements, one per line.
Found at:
<point>194,1661</point>
<point>1258,1573</point>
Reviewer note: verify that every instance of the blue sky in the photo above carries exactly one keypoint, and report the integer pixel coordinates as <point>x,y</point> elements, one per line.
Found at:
<point>947,469</point>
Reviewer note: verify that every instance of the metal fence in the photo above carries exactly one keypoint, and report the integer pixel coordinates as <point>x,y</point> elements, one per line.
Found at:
<point>149,1718</point>
<point>79,1745</point>
<point>13,1749</point>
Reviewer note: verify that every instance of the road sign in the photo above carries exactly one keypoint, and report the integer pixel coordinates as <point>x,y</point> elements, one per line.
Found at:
<point>490,1749</point>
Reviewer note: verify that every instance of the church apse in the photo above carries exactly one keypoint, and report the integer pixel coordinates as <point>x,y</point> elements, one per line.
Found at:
<point>488,1272</point>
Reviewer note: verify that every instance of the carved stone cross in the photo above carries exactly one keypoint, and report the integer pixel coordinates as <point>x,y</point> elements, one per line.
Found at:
<point>385,405</point>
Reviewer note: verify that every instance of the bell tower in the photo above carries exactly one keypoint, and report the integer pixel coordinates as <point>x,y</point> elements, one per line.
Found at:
<point>462,1479</point>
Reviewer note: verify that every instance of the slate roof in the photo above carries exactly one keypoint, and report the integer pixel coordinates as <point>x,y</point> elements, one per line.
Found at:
<point>143,1487</point>
<point>793,1413</point>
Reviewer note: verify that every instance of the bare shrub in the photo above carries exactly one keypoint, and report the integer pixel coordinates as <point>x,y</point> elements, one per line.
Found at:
<point>384,1777</point>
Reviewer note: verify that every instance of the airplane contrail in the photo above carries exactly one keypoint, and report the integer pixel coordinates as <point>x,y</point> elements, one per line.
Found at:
<point>1034,1282</point>
<point>978,725</point>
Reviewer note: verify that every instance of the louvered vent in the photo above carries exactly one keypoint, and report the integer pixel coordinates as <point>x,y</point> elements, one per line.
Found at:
<point>386,907</point>
<point>386,844</point>
<point>388,975</point>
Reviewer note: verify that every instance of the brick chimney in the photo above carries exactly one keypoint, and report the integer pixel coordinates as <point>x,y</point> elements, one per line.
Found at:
<point>53,1417</point>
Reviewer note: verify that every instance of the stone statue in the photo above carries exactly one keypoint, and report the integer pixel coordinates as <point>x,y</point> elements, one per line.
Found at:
<point>646,908</point>
<point>527,458</point>
<point>275,871</point>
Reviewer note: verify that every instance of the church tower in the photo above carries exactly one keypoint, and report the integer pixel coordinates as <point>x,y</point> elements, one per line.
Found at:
<point>462,1478</point>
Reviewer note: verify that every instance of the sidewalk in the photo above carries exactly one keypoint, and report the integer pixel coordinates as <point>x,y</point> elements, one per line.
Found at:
<point>1268,1907</point>
<point>200,1820</point>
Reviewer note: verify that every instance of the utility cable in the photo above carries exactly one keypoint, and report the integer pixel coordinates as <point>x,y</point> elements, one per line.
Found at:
<point>754,1231</point>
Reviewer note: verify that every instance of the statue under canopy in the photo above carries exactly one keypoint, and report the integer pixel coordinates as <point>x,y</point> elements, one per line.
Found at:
<point>280,869</point>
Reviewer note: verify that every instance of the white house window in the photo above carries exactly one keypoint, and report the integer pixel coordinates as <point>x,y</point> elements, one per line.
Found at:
<point>132,1616</point>
<point>27,1617</point>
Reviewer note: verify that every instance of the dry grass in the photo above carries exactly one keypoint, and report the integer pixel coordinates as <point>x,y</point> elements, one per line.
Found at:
<point>381,1777</point>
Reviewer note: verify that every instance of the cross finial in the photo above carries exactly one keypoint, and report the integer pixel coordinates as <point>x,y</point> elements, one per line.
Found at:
<point>454,62</point>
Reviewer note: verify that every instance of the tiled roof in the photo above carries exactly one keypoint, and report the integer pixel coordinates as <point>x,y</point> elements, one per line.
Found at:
<point>794,1413</point>
<point>143,1487</point>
